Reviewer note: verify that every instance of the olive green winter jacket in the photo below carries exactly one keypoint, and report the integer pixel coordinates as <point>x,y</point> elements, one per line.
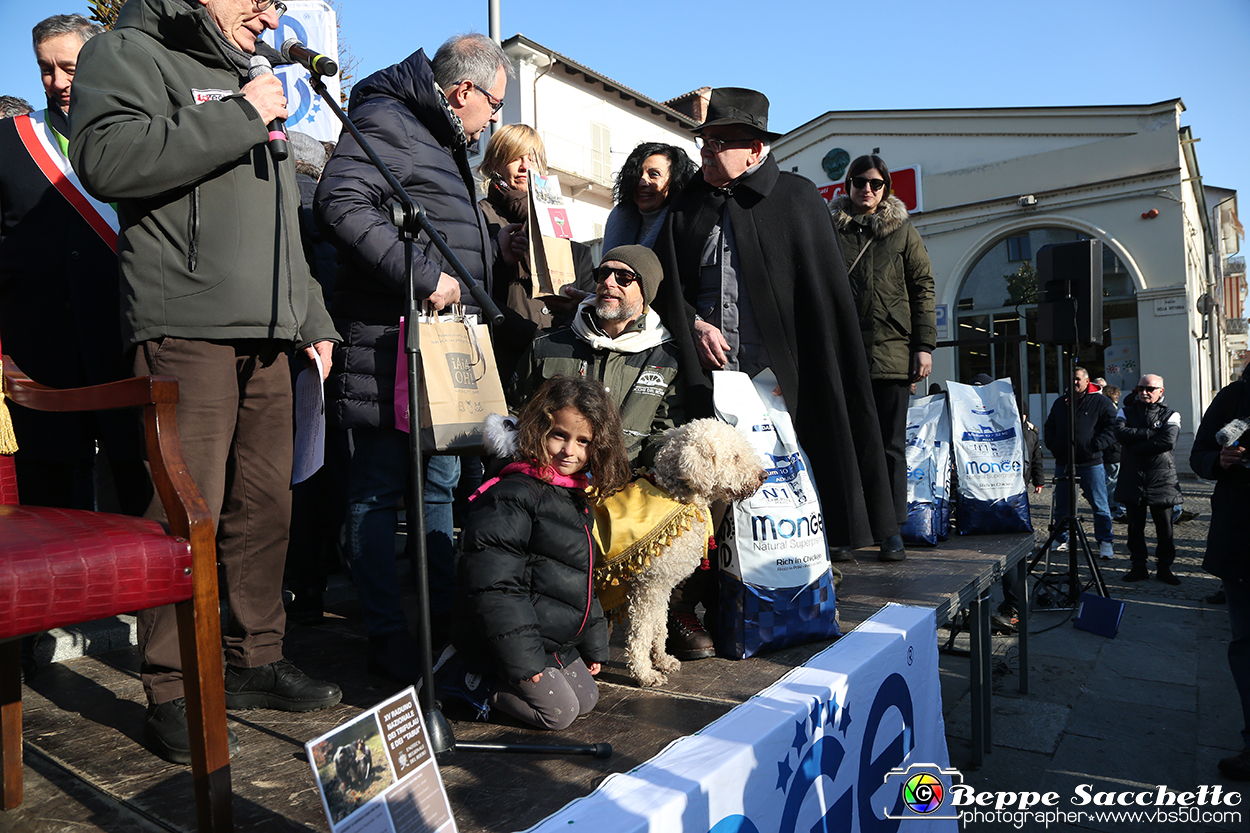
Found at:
<point>892,284</point>
<point>209,246</point>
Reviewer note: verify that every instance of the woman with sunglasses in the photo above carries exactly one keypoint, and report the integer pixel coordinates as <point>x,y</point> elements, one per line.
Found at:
<point>892,284</point>
<point>513,152</point>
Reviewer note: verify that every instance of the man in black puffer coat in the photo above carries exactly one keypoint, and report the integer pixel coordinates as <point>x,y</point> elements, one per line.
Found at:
<point>1147,430</point>
<point>421,118</point>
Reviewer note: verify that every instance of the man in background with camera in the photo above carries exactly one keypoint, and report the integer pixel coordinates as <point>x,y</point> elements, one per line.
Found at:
<point>1219,454</point>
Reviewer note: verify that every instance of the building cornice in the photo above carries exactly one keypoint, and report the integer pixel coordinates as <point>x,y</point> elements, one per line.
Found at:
<point>519,47</point>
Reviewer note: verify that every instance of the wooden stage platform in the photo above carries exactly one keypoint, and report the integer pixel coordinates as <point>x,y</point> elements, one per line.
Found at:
<point>85,768</point>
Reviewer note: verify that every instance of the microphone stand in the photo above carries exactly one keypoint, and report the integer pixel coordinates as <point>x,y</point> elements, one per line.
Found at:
<point>1071,523</point>
<point>410,218</point>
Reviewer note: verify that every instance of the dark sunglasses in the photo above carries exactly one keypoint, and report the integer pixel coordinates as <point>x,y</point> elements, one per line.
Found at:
<point>1140,389</point>
<point>624,277</point>
<point>860,183</point>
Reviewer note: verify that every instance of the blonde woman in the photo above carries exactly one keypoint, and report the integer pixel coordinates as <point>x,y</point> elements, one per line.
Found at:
<point>513,152</point>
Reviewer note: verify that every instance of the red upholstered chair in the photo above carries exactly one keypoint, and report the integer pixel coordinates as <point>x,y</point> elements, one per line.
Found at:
<point>61,567</point>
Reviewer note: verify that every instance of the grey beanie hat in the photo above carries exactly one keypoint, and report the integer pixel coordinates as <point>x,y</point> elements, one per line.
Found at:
<point>643,261</point>
<point>307,149</point>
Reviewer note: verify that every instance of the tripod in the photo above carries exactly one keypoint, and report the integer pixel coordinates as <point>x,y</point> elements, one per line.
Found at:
<point>410,219</point>
<point>1071,525</point>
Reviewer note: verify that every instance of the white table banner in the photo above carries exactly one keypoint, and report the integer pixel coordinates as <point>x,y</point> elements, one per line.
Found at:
<point>852,740</point>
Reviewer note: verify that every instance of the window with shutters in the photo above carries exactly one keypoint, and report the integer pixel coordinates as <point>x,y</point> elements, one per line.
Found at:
<point>600,153</point>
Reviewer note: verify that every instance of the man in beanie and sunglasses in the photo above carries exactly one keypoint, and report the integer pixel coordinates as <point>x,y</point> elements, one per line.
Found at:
<point>617,339</point>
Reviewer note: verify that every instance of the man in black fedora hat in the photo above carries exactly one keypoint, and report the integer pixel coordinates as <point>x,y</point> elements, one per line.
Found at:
<point>760,282</point>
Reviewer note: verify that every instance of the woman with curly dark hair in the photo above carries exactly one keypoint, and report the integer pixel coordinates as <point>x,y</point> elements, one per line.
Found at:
<point>651,176</point>
<point>530,621</point>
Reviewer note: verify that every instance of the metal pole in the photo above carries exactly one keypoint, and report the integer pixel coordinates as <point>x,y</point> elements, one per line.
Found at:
<point>493,13</point>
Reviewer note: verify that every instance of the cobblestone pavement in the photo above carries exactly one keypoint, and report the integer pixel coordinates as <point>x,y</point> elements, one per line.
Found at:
<point>1154,706</point>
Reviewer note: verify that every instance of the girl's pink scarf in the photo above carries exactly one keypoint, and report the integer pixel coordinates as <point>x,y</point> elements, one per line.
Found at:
<point>546,474</point>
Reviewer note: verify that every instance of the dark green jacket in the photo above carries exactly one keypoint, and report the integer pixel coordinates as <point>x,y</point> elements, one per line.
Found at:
<point>210,241</point>
<point>892,284</point>
<point>643,383</point>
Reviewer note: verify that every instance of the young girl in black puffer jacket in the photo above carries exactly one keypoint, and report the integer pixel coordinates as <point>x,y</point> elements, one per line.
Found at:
<point>528,618</point>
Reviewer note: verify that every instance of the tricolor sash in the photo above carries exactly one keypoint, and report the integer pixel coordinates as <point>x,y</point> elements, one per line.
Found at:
<point>41,143</point>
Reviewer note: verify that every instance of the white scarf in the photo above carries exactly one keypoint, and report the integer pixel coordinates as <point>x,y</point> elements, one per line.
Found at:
<point>651,333</point>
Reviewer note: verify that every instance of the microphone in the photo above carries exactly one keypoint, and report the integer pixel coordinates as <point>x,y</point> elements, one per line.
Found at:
<point>293,50</point>
<point>1232,433</point>
<point>278,147</point>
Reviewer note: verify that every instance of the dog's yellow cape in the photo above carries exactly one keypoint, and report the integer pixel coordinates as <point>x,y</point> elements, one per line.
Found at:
<point>632,526</point>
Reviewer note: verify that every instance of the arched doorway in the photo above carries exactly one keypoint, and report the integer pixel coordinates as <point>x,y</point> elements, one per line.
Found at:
<point>998,300</point>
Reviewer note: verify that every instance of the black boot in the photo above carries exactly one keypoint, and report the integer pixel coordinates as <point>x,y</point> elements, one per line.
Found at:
<point>278,685</point>
<point>165,732</point>
<point>837,554</point>
<point>1137,572</point>
<point>892,549</point>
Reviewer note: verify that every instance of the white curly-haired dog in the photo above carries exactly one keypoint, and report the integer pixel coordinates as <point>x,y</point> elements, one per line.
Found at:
<point>701,462</point>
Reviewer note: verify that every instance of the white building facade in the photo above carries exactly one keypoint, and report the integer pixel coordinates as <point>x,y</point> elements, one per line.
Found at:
<point>991,186</point>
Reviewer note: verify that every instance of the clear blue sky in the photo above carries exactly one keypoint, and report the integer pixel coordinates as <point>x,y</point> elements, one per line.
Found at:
<point>811,56</point>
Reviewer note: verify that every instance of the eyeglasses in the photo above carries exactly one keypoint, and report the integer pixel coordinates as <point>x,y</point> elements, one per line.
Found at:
<point>495,103</point>
<point>266,5</point>
<point>1150,389</point>
<point>624,277</point>
<point>717,145</point>
<point>861,183</point>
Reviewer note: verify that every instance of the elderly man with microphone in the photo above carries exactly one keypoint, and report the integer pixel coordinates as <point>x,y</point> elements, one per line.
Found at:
<point>176,118</point>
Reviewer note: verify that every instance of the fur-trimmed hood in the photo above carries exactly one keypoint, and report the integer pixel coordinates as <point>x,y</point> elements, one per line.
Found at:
<point>887,219</point>
<point>500,435</point>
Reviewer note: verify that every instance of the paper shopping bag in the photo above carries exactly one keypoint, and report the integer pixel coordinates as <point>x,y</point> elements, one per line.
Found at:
<point>460,384</point>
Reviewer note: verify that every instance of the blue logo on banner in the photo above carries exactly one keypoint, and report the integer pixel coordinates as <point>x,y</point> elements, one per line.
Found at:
<point>824,757</point>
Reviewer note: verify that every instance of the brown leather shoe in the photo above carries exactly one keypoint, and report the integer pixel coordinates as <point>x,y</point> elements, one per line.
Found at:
<point>687,638</point>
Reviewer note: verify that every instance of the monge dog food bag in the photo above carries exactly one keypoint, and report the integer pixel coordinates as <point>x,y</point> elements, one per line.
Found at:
<point>942,470</point>
<point>923,523</point>
<point>989,457</point>
<point>776,585</point>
